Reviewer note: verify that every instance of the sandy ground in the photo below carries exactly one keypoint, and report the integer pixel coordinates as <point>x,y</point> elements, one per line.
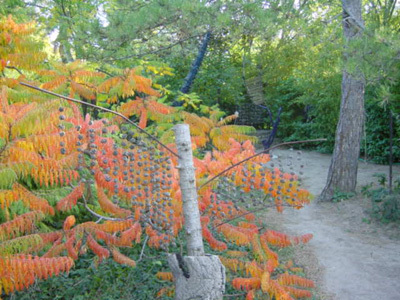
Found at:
<point>351,256</point>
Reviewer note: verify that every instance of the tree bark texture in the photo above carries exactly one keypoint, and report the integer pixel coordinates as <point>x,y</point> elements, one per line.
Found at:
<point>196,64</point>
<point>187,181</point>
<point>197,277</point>
<point>64,46</point>
<point>342,176</point>
<point>267,143</point>
<point>390,151</point>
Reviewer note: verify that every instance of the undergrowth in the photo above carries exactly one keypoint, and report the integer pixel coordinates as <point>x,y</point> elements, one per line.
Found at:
<point>385,203</point>
<point>110,280</point>
<point>106,281</point>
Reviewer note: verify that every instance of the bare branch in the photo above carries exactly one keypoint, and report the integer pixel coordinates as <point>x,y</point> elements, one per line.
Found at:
<point>256,210</point>
<point>234,295</point>
<point>14,68</point>
<point>143,247</point>
<point>152,52</point>
<point>105,72</point>
<point>102,109</point>
<point>101,217</point>
<point>257,154</point>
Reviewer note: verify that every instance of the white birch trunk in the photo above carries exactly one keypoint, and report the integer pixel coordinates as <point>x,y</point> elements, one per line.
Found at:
<point>187,181</point>
<point>197,276</point>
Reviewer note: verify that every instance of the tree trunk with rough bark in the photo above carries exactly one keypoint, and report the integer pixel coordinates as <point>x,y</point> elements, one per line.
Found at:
<point>196,276</point>
<point>196,64</point>
<point>342,176</point>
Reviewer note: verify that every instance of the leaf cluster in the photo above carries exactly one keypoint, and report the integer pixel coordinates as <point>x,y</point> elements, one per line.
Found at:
<point>128,184</point>
<point>385,203</point>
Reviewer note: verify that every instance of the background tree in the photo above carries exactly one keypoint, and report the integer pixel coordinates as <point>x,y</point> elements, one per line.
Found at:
<point>299,57</point>
<point>61,171</point>
<point>342,174</point>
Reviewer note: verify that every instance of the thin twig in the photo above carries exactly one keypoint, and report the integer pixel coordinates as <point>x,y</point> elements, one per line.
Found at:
<point>151,52</point>
<point>14,68</point>
<point>255,210</point>
<point>100,108</point>
<point>101,216</point>
<point>105,72</point>
<point>143,247</point>
<point>246,213</point>
<point>7,140</point>
<point>257,154</point>
<point>234,295</point>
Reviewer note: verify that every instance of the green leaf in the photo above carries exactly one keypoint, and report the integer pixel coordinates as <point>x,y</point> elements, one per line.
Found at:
<point>2,143</point>
<point>7,178</point>
<point>157,263</point>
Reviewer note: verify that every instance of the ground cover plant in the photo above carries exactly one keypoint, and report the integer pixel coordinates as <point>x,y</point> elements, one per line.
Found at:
<point>385,199</point>
<point>76,180</point>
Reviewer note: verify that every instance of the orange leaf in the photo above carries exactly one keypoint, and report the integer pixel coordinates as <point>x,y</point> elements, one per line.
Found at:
<point>122,259</point>
<point>97,249</point>
<point>246,283</point>
<point>167,276</point>
<point>143,118</point>
<point>69,222</point>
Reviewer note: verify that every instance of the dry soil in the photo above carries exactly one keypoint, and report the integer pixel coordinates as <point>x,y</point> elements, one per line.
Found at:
<point>351,257</point>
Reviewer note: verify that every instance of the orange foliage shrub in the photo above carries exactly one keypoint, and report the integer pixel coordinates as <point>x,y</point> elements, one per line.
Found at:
<point>49,143</point>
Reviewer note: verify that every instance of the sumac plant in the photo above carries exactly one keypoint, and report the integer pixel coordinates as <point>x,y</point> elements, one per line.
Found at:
<point>127,182</point>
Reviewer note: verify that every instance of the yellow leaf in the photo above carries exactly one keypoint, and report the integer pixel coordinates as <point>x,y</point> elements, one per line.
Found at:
<point>265,282</point>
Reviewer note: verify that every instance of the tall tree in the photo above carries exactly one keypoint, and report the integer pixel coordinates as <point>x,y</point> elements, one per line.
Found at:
<point>196,64</point>
<point>342,174</point>
<point>123,33</point>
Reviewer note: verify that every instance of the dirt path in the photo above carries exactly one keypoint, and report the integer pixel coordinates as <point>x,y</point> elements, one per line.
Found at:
<point>350,257</point>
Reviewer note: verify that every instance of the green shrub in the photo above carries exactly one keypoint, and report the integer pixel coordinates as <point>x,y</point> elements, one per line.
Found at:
<point>107,281</point>
<point>385,203</point>
<point>376,144</point>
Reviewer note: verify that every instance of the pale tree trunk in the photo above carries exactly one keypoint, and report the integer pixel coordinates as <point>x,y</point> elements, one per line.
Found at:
<point>196,276</point>
<point>187,182</point>
<point>64,46</point>
<point>342,176</point>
